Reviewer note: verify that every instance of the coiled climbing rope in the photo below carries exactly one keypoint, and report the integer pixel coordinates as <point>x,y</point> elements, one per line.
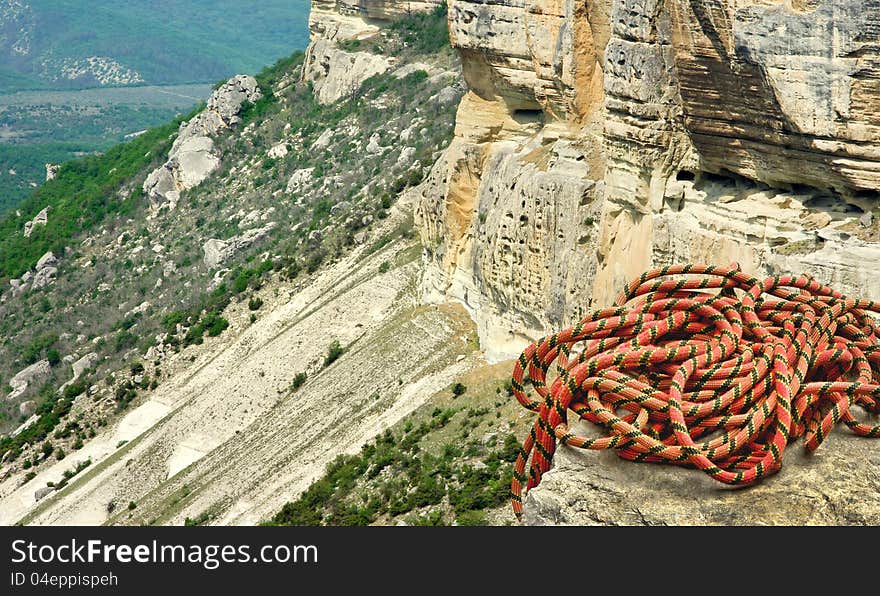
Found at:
<point>713,369</point>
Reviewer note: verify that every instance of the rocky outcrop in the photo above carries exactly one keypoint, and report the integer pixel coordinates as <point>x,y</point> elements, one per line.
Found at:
<point>40,219</point>
<point>45,271</point>
<point>33,373</point>
<point>801,106</point>
<point>334,72</point>
<point>353,19</point>
<point>42,275</point>
<point>509,217</point>
<point>193,156</point>
<point>52,170</point>
<point>79,367</point>
<point>299,179</point>
<point>42,493</point>
<point>217,252</point>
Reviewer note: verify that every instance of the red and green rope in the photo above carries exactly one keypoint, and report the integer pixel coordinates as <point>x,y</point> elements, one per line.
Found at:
<point>712,369</point>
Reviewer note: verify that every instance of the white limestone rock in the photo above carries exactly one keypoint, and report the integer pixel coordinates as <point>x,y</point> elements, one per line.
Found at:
<point>41,219</point>
<point>193,156</point>
<point>33,373</point>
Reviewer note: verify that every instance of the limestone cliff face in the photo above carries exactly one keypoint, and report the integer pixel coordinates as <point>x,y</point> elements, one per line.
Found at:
<point>604,137</point>
<point>711,101</point>
<point>508,216</point>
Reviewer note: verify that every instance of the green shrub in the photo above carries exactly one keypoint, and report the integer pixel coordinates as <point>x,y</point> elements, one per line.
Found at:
<point>75,389</point>
<point>475,517</point>
<point>215,324</point>
<point>38,347</point>
<point>334,351</point>
<point>299,380</point>
<point>241,282</point>
<point>200,520</point>
<point>255,303</point>
<point>53,356</point>
<point>459,389</point>
<point>124,340</point>
<point>173,319</point>
<point>424,33</point>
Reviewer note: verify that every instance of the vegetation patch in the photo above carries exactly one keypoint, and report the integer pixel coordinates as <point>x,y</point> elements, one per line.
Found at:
<point>449,462</point>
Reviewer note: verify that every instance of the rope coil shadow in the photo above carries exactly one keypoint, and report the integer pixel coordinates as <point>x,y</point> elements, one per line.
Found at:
<point>712,369</point>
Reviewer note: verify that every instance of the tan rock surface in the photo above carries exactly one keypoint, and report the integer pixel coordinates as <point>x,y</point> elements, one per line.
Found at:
<point>837,485</point>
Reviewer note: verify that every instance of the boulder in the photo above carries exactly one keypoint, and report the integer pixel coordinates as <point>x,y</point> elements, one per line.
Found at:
<point>42,493</point>
<point>323,141</point>
<point>340,207</point>
<point>278,151</point>
<point>139,309</point>
<point>19,287</point>
<point>217,252</point>
<point>195,162</point>
<point>373,146</point>
<point>406,156</point>
<point>52,171</point>
<point>299,179</point>
<point>44,277</point>
<point>228,100</point>
<point>35,372</point>
<point>336,74</point>
<point>26,425</point>
<point>27,408</point>
<point>447,96</point>
<point>47,260</point>
<point>81,366</point>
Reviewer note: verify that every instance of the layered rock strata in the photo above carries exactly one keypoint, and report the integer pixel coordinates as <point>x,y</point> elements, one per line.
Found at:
<point>600,139</point>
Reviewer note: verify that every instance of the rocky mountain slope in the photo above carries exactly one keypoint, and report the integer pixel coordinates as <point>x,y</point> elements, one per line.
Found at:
<point>253,304</point>
<point>211,244</point>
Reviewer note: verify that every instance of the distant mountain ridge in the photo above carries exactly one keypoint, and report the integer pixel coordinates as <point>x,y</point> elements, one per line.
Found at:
<point>73,44</point>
